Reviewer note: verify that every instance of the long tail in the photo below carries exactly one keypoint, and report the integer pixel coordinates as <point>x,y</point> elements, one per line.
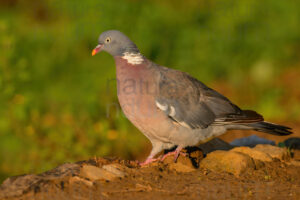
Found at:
<point>270,128</point>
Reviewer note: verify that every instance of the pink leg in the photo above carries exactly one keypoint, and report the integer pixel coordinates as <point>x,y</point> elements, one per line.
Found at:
<point>157,147</point>
<point>175,153</point>
<point>148,161</point>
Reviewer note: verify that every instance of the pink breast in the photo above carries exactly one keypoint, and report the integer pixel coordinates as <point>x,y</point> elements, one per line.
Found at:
<point>136,92</point>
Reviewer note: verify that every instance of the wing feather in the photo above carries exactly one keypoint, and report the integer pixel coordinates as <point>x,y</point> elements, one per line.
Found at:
<point>192,104</point>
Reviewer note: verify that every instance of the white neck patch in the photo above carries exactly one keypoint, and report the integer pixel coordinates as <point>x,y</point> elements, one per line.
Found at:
<point>133,58</point>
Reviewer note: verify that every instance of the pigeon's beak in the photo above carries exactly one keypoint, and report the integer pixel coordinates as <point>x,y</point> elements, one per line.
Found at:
<point>97,49</point>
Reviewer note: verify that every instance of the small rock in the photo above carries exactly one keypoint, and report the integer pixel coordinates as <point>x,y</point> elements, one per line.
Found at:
<point>183,164</point>
<point>76,180</point>
<point>17,185</point>
<point>227,161</point>
<point>273,151</point>
<point>180,167</point>
<point>115,169</point>
<point>253,153</point>
<point>95,173</point>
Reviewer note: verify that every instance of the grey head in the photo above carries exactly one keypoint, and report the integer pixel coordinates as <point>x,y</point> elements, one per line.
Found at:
<point>115,43</point>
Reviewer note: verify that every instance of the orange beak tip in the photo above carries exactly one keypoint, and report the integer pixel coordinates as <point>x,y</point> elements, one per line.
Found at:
<point>94,52</point>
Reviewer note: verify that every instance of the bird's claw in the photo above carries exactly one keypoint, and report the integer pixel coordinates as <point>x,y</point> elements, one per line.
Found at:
<point>148,161</point>
<point>175,153</point>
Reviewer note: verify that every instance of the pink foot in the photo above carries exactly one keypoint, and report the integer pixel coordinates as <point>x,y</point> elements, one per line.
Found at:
<point>175,153</point>
<point>148,161</point>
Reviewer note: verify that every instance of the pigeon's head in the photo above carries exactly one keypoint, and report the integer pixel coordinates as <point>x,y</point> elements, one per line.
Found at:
<point>115,43</point>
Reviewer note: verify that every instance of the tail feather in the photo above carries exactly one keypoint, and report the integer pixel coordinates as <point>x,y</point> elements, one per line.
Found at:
<point>270,128</point>
<point>247,116</point>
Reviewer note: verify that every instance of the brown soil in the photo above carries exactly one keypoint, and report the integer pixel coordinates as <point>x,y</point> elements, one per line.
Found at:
<point>273,180</point>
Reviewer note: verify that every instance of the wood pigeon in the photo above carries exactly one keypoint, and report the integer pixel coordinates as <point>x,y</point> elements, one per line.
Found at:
<point>170,107</point>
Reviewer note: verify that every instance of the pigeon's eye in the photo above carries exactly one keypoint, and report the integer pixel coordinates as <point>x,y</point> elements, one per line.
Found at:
<point>107,40</point>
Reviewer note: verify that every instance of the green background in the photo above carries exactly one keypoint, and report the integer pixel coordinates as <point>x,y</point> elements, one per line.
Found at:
<point>58,104</point>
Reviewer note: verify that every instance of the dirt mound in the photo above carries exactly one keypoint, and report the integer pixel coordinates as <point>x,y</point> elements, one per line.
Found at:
<point>256,173</point>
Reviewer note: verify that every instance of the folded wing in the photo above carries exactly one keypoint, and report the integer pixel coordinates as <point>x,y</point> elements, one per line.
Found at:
<point>192,104</point>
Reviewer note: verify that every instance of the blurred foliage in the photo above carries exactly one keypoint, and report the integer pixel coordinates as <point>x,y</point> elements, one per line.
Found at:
<point>58,104</point>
